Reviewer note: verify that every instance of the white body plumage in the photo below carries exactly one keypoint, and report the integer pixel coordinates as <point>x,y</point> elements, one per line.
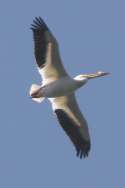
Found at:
<point>61,87</point>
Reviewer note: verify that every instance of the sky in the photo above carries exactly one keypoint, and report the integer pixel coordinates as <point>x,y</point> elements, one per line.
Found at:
<point>34,150</point>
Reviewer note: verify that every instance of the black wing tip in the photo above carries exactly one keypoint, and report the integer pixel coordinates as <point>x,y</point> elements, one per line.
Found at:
<point>38,24</point>
<point>83,152</point>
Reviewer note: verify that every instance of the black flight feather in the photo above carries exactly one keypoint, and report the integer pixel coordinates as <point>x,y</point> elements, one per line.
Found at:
<point>39,29</point>
<point>72,130</point>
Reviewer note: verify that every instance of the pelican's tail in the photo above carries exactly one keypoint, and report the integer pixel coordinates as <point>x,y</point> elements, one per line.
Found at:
<point>35,93</point>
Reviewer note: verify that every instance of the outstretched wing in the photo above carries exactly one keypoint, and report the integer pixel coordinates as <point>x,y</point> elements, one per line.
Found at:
<point>46,52</point>
<point>73,123</point>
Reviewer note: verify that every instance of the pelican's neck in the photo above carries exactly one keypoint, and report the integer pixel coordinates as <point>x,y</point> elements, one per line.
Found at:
<point>81,80</point>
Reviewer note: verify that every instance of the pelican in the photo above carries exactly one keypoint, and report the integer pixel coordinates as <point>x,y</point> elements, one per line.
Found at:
<point>59,87</point>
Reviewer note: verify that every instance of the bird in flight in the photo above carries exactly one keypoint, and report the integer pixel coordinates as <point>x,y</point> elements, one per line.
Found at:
<point>59,88</point>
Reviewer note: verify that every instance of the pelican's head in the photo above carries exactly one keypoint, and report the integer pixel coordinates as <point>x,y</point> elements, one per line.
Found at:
<point>95,75</point>
<point>85,77</point>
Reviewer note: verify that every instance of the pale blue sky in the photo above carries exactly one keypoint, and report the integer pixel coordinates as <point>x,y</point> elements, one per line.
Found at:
<point>34,151</point>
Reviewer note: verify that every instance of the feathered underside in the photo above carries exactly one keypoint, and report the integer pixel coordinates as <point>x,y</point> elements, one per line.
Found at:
<point>46,52</point>
<point>73,131</point>
<point>73,123</point>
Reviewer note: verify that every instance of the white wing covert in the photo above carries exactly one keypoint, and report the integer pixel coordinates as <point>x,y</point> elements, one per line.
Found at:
<point>73,123</point>
<point>46,52</point>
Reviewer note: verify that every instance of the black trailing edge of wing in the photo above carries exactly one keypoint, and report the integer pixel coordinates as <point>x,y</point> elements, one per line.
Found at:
<point>39,28</point>
<point>72,130</point>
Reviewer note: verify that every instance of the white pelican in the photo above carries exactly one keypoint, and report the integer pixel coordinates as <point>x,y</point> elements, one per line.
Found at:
<point>59,87</point>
